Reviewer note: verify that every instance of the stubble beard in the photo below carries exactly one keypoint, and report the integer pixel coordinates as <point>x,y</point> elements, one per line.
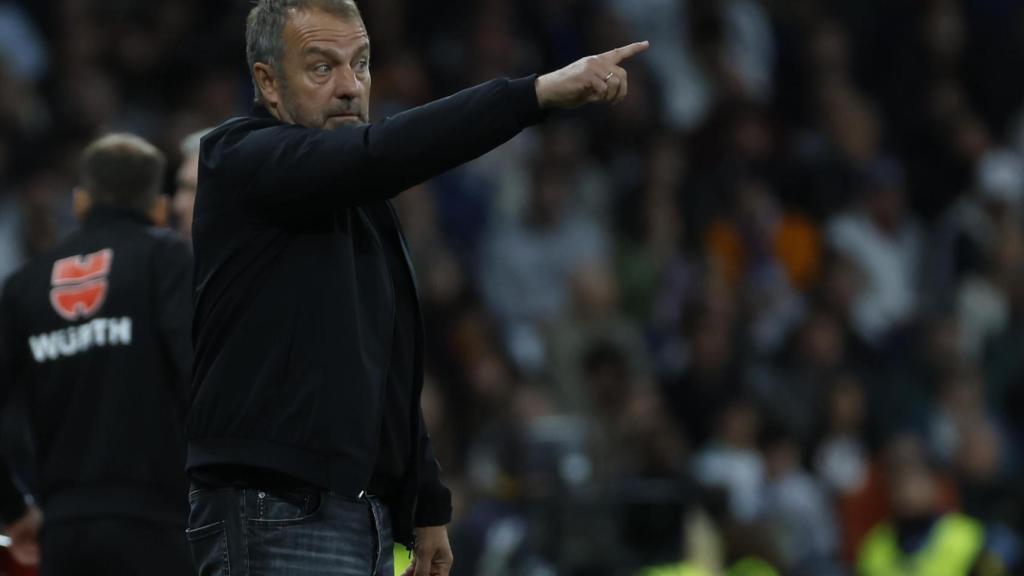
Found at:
<point>297,117</point>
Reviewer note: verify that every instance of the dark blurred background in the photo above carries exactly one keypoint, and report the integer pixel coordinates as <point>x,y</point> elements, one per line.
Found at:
<point>773,299</point>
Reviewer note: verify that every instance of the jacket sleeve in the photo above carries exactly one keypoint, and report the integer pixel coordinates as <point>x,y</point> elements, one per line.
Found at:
<point>12,352</point>
<point>433,500</point>
<point>12,501</point>
<point>173,265</point>
<point>289,170</point>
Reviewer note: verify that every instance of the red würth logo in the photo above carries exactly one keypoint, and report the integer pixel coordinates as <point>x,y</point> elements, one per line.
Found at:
<point>80,284</point>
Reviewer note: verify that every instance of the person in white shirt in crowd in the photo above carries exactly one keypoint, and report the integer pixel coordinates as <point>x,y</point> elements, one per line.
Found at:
<point>885,243</point>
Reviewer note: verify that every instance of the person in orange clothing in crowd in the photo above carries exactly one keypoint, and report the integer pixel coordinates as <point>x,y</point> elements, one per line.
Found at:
<point>761,233</point>
<point>771,254</point>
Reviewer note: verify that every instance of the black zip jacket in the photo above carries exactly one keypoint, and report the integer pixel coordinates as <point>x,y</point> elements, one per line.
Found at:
<point>98,331</point>
<point>294,301</point>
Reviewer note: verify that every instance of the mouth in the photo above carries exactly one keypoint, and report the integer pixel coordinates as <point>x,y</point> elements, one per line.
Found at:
<point>345,118</point>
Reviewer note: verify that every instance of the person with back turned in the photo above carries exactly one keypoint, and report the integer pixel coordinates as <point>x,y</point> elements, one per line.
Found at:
<point>307,449</point>
<point>97,331</point>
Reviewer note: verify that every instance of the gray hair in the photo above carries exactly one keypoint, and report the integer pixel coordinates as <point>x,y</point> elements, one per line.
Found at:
<point>265,25</point>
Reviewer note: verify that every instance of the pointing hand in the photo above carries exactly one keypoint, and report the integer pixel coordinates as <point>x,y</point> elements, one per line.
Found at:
<point>593,79</point>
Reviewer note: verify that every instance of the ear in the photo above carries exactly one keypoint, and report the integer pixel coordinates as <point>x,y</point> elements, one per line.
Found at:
<point>267,85</point>
<point>158,213</point>
<point>81,202</point>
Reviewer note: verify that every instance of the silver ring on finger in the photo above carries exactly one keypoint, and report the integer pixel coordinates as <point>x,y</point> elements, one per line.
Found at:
<point>609,76</point>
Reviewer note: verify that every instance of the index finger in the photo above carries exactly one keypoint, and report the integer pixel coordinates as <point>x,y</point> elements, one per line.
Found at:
<point>628,51</point>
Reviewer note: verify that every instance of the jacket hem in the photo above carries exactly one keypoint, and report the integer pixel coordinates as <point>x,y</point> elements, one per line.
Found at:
<point>130,501</point>
<point>339,475</point>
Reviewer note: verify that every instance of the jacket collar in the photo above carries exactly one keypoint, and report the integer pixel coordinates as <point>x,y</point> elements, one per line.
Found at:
<point>103,213</point>
<point>258,110</point>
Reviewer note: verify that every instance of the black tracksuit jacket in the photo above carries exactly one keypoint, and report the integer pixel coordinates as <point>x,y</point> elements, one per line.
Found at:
<point>294,299</point>
<point>97,330</point>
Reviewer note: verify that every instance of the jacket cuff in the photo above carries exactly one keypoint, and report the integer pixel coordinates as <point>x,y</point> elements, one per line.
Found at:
<point>433,505</point>
<point>526,102</point>
<point>12,509</point>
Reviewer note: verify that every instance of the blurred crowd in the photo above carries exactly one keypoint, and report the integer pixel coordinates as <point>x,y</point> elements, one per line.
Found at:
<point>766,307</point>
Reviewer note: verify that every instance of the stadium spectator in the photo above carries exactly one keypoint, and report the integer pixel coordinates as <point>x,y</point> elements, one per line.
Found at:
<point>885,244</point>
<point>920,536</point>
<point>799,511</point>
<point>526,265</point>
<point>185,192</point>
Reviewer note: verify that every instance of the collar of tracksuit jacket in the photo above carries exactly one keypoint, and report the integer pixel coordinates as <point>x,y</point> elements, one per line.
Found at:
<point>102,212</point>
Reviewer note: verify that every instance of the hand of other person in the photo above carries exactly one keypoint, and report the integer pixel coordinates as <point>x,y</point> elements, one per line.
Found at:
<point>24,535</point>
<point>593,79</point>
<point>433,554</point>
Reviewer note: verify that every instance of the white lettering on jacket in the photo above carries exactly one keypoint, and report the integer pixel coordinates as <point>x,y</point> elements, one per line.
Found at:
<point>81,338</point>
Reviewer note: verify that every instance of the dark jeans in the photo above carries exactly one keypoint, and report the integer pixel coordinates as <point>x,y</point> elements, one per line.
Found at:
<point>113,548</point>
<point>248,532</point>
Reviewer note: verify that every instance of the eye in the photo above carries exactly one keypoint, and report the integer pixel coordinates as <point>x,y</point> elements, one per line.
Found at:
<point>322,69</point>
<point>362,65</point>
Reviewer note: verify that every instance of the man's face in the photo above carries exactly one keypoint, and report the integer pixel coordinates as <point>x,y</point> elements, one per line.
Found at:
<point>324,75</point>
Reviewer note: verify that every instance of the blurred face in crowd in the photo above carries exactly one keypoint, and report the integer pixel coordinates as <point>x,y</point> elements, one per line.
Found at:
<point>323,79</point>
<point>758,210</point>
<point>738,425</point>
<point>822,342</point>
<point>648,433</point>
<point>846,404</point>
<point>829,51</point>
<point>885,204</point>
<point>712,343</point>
<point>980,455</point>
<point>971,138</point>
<point>185,194</point>
<point>609,380</point>
<point>913,488</point>
<point>849,120</point>
<point>913,493</point>
<point>548,196</point>
<point>942,345</point>
<point>945,33</point>
<point>842,284</point>
<point>752,136</point>
<point>782,457</point>
<point>595,291</point>
<point>962,395</point>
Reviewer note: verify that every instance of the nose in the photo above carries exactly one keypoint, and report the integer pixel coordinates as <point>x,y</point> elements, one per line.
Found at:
<point>347,86</point>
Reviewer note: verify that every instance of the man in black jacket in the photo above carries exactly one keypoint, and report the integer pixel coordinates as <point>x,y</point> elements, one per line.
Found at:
<point>97,330</point>
<point>307,448</point>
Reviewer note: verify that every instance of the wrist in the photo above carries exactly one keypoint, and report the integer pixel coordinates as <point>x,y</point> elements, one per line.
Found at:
<point>541,87</point>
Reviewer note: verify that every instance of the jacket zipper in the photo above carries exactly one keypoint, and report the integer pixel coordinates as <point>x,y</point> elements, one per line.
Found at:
<point>418,387</point>
<point>390,346</point>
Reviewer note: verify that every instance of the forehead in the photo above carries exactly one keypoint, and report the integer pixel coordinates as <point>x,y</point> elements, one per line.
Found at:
<point>315,28</point>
